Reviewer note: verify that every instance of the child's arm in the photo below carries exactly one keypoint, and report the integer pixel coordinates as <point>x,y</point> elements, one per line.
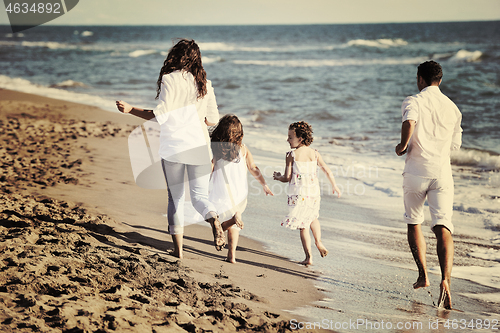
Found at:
<point>138,112</point>
<point>254,170</point>
<point>288,170</point>
<point>328,174</point>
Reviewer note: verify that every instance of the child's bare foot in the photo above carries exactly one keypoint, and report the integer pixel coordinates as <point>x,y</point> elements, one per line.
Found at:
<point>306,262</point>
<point>219,239</point>
<point>422,282</point>
<point>238,221</point>
<point>231,260</point>
<point>322,249</point>
<point>444,296</point>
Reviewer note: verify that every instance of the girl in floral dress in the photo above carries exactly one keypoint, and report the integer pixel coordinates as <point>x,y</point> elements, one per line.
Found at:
<point>303,189</point>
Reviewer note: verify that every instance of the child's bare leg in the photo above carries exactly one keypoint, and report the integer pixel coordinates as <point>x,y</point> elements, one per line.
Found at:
<point>236,219</point>
<point>228,224</point>
<point>316,230</point>
<point>306,244</point>
<point>233,235</point>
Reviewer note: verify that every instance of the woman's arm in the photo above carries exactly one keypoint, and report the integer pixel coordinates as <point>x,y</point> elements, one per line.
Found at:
<point>288,170</point>
<point>328,174</point>
<point>141,113</point>
<point>255,171</point>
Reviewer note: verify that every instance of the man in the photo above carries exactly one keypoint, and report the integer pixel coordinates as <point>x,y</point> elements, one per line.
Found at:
<point>430,130</point>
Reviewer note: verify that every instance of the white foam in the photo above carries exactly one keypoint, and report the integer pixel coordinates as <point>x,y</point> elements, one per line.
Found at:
<point>87,33</point>
<point>486,276</point>
<point>49,45</point>
<point>69,84</point>
<point>486,254</point>
<point>26,86</point>
<point>140,53</point>
<point>209,60</point>
<point>475,158</point>
<point>332,62</point>
<point>466,56</point>
<point>382,43</point>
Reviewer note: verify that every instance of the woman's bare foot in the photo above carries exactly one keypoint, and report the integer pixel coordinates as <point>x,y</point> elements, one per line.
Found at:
<point>177,254</point>
<point>238,221</point>
<point>422,282</point>
<point>219,239</point>
<point>444,296</point>
<point>322,249</point>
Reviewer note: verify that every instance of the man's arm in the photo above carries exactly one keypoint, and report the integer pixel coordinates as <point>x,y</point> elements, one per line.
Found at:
<point>406,132</point>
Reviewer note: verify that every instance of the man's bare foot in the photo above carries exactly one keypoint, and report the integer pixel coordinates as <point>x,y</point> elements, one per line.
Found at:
<point>238,221</point>
<point>422,282</point>
<point>231,260</point>
<point>219,239</point>
<point>306,262</point>
<point>322,249</point>
<point>444,296</point>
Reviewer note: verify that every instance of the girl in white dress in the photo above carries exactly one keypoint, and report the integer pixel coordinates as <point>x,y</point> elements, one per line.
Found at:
<point>303,189</point>
<point>228,184</point>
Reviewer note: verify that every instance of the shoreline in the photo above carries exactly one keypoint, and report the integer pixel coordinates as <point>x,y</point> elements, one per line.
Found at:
<point>106,190</point>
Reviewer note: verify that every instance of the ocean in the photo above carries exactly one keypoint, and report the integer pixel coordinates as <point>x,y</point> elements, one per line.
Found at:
<point>347,81</point>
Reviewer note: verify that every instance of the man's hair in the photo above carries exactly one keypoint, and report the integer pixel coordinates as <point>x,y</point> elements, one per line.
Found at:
<point>430,71</point>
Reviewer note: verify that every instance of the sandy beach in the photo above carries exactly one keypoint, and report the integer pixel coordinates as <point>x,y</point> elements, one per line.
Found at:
<point>84,249</point>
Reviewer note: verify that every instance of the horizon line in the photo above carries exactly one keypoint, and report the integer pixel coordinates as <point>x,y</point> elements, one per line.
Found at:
<point>259,24</point>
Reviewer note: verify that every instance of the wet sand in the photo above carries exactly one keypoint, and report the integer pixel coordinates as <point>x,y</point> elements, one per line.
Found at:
<point>85,249</point>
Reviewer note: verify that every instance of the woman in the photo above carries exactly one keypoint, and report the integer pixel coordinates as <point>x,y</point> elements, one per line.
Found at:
<point>187,106</point>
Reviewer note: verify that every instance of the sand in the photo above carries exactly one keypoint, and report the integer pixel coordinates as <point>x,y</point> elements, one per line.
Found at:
<point>84,249</point>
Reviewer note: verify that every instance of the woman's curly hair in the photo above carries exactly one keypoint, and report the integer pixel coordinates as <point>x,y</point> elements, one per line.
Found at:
<point>227,138</point>
<point>303,131</point>
<point>185,55</point>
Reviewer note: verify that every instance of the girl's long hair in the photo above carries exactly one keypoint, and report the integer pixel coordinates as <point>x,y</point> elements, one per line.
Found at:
<point>185,55</point>
<point>226,138</point>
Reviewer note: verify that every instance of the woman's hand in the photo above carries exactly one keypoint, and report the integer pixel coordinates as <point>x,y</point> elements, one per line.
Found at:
<point>267,190</point>
<point>124,106</point>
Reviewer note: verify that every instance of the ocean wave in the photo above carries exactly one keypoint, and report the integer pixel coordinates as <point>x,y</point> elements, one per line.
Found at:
<point>476,158</point>
<point>49,45</point>
<point>332,62</point>
<point>87,33</point>
<point>466,56</point>
<point>225,47</point>
<point>383,43</point>
<point>26,86</point>
<point>140,53</point>
<point>218,46</point>
<point>209,60</point>
<point>486,254</point>
<point>69,84</point>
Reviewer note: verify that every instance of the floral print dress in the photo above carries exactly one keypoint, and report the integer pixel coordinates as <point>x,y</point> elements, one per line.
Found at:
<point>303,194</point>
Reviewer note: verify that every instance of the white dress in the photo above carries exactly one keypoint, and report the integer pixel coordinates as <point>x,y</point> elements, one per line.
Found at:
<point>303,195</point>
<point>229,186</point>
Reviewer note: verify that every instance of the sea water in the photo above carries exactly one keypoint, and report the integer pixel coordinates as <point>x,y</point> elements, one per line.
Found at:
<point>347,81</point>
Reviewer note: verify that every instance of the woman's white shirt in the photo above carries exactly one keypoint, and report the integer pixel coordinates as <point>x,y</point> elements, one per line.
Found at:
<point>181,115</point>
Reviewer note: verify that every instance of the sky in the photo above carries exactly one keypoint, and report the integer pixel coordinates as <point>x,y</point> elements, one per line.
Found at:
<point>249,12</point>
